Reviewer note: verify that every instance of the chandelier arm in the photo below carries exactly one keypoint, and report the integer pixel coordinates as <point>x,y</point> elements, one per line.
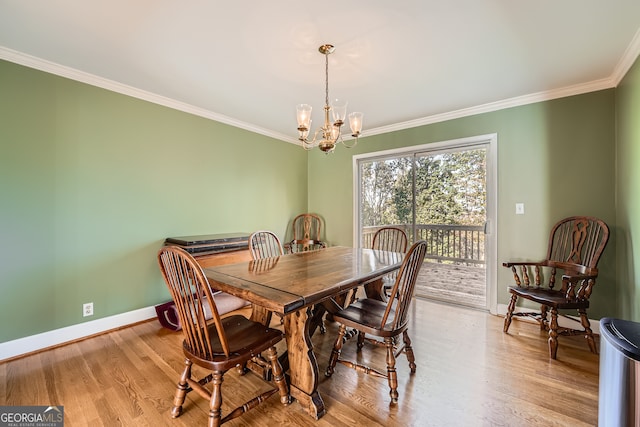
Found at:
<point>338,138</point>
<point>312,142</point>
<point>350,145</point>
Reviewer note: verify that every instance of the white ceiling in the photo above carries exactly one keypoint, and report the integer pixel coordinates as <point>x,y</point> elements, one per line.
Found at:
<point>402,63</point>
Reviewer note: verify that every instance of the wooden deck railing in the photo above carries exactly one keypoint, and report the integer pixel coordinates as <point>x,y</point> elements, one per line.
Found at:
<point>457,243</point>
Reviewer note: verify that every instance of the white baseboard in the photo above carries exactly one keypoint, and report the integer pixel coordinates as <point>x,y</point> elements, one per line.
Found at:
<point>562,322</point>
<point>60,336</point>
<point>56,337</point>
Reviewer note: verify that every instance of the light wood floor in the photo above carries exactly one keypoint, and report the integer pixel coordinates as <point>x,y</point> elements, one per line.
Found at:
<point>469,374</point>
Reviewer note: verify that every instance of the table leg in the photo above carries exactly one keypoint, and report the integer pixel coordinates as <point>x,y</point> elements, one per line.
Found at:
<point>375,290</point>
<point>303,366</point>
<point>316,321</point>
<point>260,315</point>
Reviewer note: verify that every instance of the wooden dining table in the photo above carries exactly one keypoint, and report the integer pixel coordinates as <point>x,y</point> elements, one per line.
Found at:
<point>292,285</point>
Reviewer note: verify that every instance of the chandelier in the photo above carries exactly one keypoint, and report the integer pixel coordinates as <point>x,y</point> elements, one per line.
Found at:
<point>329,134</point>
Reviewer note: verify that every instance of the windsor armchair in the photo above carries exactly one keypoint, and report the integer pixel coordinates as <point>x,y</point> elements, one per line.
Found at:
<point>575,246</point>
<point>306,234</point>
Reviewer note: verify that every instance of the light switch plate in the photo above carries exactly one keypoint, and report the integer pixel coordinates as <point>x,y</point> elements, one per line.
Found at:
<point>519,208</point>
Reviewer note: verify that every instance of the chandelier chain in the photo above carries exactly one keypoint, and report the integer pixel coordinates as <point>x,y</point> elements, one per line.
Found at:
<point>326,79</point>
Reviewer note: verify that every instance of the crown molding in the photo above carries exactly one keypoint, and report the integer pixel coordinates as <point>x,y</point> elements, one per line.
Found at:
<point>628,59</point>
<point>90,79</point>
<point>498,105</point>
<point>623,66</point>
<point>626,62</point>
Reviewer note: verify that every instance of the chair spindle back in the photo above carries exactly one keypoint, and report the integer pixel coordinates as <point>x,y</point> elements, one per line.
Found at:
<point>390,239</point>
<point>578,240</point>
<point>307,228</point>
<point>192,296</point>
<point>265,244</point>
<point>404,286</point>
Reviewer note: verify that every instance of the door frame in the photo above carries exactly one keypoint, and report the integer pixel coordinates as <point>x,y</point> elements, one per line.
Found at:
<point>491,233</point>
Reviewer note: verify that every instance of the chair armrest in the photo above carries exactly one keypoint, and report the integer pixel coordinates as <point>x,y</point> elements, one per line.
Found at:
<point>576,277</point>
<point>578,286</point>
<point>523,270</point>
<point>297,245</point>
<point>516,263</point>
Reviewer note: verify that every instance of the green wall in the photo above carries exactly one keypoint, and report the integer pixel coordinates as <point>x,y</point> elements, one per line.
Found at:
<point>91,182</point>
<point>557,157</point>
<point>628,193</point>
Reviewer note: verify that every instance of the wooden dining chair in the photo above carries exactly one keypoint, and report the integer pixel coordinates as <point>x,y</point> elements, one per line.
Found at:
<point>575,246</point>
<point>306,232</point>
<point>217,346</point>
<point>392,239</point>
<point>265,247</point>
<point>264,244</point>
<point>386,320</point>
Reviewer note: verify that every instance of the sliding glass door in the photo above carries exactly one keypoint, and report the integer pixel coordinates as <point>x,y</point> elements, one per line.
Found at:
<point>438,193</point>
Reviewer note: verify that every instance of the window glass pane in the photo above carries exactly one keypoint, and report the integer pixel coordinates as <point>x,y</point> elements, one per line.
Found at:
<point>386,193</point>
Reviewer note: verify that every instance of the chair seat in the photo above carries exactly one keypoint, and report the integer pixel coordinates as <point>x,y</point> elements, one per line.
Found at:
<point>366,315</point>
<point>246,339</point>
<point>549,297</point>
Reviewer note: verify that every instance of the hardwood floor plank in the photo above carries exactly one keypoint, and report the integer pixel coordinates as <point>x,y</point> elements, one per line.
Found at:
<point>469,374</point>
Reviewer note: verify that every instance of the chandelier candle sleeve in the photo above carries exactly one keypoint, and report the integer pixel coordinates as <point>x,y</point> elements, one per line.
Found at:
<point>304,117</point>
<point>355,122</point>
<point>339,110</point>
<point>329,134</point>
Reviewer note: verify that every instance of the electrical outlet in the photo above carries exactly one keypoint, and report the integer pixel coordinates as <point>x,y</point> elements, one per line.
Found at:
<point>87,309</point>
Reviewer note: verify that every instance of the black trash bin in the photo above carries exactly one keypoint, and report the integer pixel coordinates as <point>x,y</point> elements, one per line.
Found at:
<point>619,394</point>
